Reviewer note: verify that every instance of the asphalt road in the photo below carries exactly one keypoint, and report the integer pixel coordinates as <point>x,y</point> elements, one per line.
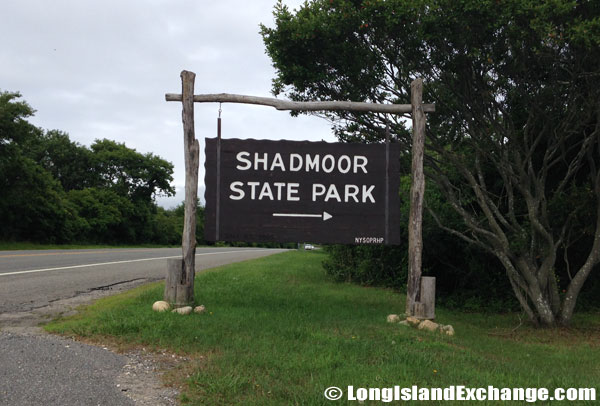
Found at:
<point>33,279</point>
<point>39,369</point>
<point>43,370</point>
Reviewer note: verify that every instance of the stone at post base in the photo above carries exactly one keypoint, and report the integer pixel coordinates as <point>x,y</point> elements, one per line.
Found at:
<point>428,325</point>
<point>161,306</point>
<point>448,330</point>
<point>183,310</point>
<point>393,318</point>
<point>177,294</point>
<point>413,321</point>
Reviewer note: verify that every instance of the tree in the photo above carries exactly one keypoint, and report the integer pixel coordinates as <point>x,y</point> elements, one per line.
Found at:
<point>179,214</point>
<point>514,143</point>
<point>32,202</point>
<point>69,162</point>
<point>105,215</point>
<point>14,127</point>
<point>139,176</point>
<point>166,227</point>
<point>33,206</point>
<point>56,190</point>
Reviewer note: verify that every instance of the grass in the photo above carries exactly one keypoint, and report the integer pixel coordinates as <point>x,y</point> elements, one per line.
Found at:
<point>16,246</point>
<point>280,331</point>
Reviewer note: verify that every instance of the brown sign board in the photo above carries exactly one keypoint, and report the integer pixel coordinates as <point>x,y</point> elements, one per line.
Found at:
<point>300,191</point>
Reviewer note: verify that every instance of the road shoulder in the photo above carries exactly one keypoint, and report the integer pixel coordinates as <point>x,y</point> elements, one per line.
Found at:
<point>42,369</point>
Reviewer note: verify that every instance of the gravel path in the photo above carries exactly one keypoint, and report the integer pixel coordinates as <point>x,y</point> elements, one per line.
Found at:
<point>44,370</point>
<point>37,368</point>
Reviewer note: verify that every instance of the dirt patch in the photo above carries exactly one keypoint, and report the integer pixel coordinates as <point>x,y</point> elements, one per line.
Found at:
<point>142,378</point>
<point>29,321</point>
<point>561,336</point>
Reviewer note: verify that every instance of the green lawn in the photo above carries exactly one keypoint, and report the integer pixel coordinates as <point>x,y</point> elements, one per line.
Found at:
<point>280,331</point>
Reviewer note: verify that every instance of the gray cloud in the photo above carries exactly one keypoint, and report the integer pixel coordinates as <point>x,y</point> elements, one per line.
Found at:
<point>101,69</point>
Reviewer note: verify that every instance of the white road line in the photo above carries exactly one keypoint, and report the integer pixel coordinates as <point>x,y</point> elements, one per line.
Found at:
<point>124,262</point>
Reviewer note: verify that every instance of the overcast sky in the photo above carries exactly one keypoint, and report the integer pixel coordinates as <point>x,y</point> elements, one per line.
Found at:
<point>100,69</point>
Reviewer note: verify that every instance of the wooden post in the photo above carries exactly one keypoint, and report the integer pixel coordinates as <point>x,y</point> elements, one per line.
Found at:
<point>427,299</point>
<point>417,190</point>
<point>185,272</point>
<point>173,279</point>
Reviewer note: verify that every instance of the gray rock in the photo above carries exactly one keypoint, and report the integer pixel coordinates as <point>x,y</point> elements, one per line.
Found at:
<point>428,325</point>
<point>448,330</point>
<point>413,321</point>
<point>393,318</point>
<point>183,310</point>
<point>161,306</point>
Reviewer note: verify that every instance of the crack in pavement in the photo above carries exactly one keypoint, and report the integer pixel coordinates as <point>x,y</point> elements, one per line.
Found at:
<point>108,287</point>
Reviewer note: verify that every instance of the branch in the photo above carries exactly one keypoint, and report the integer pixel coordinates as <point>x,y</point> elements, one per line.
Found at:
<point>302,106</point>
<point>592,260</point>
<point>577,162</point>
<point>482,200</point>
<point>493,207</point>
<point>508,185</point>
<point>457,233</point>
<point>447,189</point>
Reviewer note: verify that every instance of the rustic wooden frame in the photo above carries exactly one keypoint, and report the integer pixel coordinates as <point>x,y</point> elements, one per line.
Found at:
<point>179,288</point>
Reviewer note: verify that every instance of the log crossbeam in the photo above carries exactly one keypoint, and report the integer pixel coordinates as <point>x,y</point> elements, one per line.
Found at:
<point>302,106</point>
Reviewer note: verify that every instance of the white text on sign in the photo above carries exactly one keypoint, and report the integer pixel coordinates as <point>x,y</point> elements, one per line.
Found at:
<point>289,191</point>
<point>307,163</point>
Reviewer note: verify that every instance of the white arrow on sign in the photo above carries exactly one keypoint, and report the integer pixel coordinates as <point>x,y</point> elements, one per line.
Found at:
<point>325,216</point>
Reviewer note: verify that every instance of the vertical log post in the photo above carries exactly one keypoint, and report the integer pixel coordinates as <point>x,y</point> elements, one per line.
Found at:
<point>427,299</point>
<point>173,279</point>
<point>417,190</point>
<point>179,285</point>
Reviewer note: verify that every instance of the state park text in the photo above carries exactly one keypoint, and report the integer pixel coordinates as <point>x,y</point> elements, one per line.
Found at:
<point>301,163</point>
<point>292,191</point>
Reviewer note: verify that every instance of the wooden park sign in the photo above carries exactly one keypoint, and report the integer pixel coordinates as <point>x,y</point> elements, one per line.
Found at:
<point>295,191</point>
<point>301,190</point>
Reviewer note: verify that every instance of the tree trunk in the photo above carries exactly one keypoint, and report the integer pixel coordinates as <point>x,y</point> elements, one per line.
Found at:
<point>568,306</point>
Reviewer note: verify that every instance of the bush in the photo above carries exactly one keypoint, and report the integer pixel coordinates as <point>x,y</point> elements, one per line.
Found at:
<point>466,278</point>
